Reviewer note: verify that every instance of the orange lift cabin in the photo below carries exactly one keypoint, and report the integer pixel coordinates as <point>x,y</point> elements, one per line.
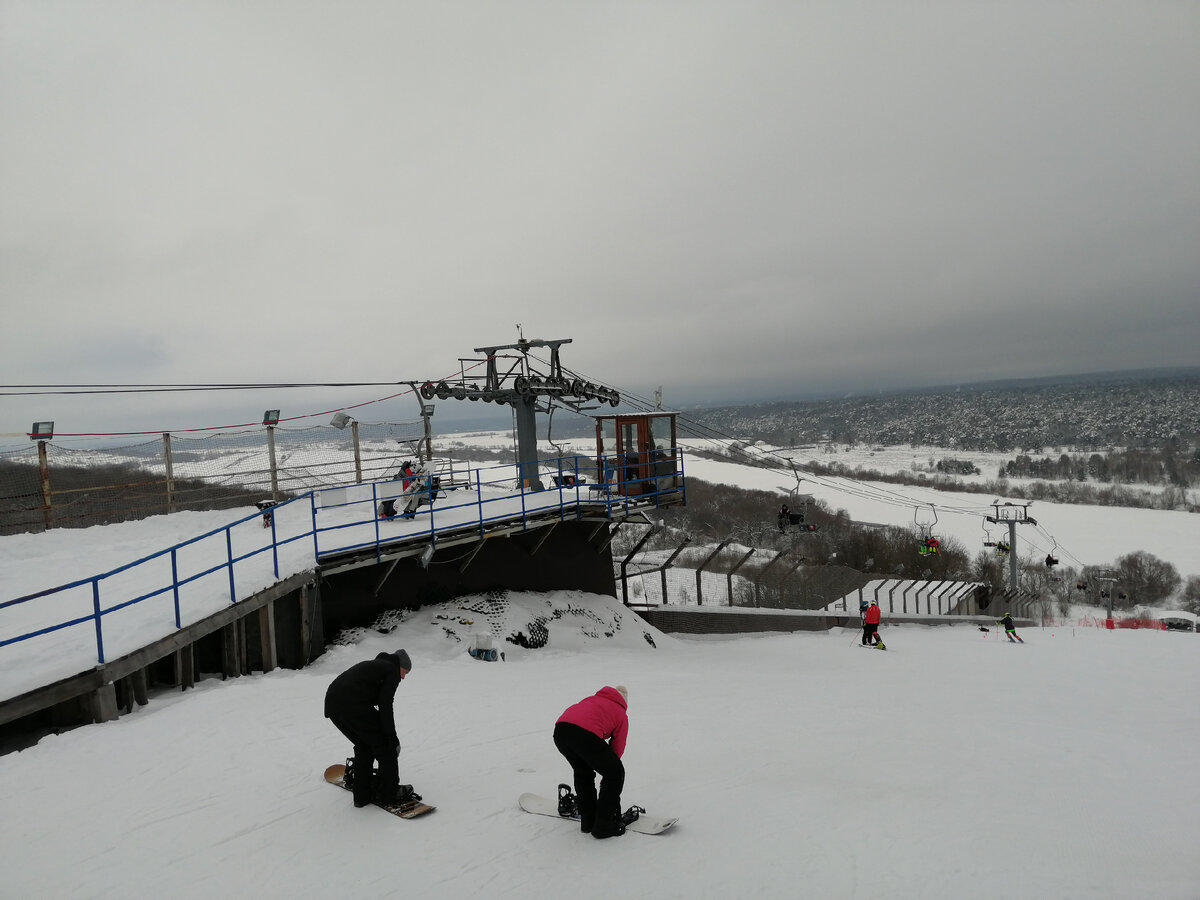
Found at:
<point>637,455</point>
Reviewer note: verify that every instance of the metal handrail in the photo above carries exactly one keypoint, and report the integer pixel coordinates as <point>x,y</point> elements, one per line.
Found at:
<point>569,502</point>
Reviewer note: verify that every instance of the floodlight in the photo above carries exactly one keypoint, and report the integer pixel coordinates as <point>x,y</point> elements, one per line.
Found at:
<point>426,556</point>
<point>340,420</point>
<point>42,431</point>
<point>271,417</point>
<point>427,410</point>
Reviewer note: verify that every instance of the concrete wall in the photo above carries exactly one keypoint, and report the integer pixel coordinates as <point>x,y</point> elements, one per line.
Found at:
<point>723,620</point>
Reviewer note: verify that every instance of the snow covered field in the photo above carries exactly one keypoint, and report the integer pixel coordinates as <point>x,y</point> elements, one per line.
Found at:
<point>953,765</point>
<point>1079,534</point>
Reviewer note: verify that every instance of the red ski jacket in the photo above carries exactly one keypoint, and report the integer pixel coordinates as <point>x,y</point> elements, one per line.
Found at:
<point>603,714</point>
<point>871,617</point>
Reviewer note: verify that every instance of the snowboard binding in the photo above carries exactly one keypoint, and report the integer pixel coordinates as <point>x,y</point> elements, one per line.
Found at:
<point>568,805</point>
<point>631,814</point>
<point>405,797</point>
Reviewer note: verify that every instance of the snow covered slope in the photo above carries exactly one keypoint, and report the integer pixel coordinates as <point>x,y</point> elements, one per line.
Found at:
<point>954,765</point>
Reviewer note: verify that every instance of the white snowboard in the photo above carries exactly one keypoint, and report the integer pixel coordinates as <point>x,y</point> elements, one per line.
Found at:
<point>544,806</point>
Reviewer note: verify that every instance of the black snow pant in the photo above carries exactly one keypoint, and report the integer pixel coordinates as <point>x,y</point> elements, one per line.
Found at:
<point>363,729</point>
<point>870,633</point>
<point>590,756</point>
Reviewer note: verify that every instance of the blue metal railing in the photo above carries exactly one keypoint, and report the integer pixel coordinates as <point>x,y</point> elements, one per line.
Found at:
<point>347,519</point>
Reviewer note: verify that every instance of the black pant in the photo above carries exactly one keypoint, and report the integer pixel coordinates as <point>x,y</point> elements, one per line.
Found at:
<point>870,633</point>
<point>370,744</point>
<point>590,756</point>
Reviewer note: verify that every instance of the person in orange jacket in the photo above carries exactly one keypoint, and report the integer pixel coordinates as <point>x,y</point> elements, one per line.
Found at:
<point>871,626</point>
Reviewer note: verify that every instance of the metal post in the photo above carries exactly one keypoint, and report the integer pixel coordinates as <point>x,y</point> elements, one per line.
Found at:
<point>730,573</point>
<point>937,594</point>
<point>762,574</point>
<point>700,571</point>
<point>170,472</point>
<point>44,470</point>
<point>1012,555</point>
<point>271,454</point>
<point>653,530</point>
<point>670,562</point>
<point>891,602</point>
<point>527,458</point>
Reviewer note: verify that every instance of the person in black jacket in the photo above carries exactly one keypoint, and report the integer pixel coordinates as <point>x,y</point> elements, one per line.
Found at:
<point>359,703</point>
<point>1010,629</point>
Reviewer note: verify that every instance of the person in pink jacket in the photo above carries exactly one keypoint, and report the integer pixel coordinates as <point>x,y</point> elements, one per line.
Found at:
<point>591,735</point>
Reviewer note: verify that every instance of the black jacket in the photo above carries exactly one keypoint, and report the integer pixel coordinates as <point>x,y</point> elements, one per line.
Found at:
<point>365,687</point>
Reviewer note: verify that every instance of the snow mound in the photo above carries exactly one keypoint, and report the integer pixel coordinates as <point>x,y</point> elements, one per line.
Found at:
<point>518,624</point>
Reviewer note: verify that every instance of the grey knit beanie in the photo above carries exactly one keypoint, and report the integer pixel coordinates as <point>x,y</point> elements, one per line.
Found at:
<point>402,658</point>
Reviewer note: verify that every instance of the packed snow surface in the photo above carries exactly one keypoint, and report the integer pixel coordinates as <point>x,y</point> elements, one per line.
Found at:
<point>951,765</point>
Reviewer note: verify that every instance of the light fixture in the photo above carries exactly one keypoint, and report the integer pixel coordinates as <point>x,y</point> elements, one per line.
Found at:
<point>426,556</point>
<point>42,431</point>
<point>427,410</point>
<point>340,420</point>
<point>271,417</point>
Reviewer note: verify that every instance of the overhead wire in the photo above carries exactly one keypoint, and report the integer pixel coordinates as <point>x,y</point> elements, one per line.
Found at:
<point>775,460</point>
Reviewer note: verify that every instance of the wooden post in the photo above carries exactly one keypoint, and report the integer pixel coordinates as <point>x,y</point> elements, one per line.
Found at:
<point>170,472</point>
<point>44,469</point>
<point>274,468</point>
<point>123,696</point>
<point>185,667</point>
<point>357,457</point>
<point>266,636</point>
<point>230,664</point>
<point>139,682</point>
<point>102,703</point>
<point>243,647</point>
<point>305,623</point>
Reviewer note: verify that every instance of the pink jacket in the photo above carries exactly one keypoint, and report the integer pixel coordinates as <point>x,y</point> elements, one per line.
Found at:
<point>603,714</point>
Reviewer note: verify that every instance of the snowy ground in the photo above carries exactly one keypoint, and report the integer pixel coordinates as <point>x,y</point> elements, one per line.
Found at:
<point>953,765</point>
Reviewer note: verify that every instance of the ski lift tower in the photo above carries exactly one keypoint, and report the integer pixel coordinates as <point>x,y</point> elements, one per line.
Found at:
<point>1012,515</point>
<point>513,380</point>
<point>526,388</point>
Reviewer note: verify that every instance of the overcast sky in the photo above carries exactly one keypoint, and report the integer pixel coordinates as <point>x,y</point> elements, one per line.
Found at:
<point>728,199</point>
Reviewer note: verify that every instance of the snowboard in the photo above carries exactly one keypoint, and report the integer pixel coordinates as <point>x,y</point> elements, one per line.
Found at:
<point>409,810</point>
<point>545,806</point>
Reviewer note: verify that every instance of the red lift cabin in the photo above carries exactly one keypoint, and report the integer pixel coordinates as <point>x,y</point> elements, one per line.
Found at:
<point>637,455</point>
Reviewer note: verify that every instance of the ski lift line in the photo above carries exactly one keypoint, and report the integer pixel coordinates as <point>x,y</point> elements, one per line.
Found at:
<point>30,390</point>
<point>409,390</point>
<point>862,490</point>
<point>62,434</point>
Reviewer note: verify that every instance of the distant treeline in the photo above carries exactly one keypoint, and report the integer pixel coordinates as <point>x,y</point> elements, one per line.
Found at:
<point>1172,496</point>
<point>1132,410</point>
<point>1170,465</point>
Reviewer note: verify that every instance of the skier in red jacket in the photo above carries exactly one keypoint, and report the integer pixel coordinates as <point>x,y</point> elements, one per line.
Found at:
<point>591,735</point>
<point>871,626</point>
